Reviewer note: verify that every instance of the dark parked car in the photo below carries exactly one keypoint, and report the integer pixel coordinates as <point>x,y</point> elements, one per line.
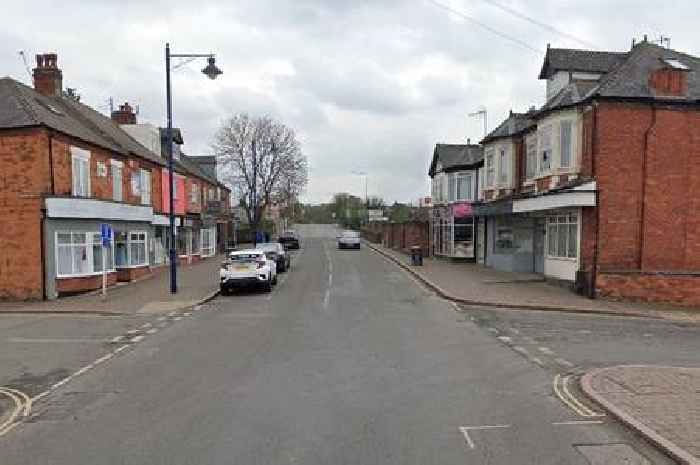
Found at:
<point>275,251</point>
<point>289,239</point>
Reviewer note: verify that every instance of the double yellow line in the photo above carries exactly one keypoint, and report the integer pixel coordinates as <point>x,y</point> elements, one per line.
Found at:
<point>23,406</point>
<point>561,389</point>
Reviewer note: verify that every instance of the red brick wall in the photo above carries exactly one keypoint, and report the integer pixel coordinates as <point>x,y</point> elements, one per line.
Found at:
<point>24,177</point>
<point>669,82</point>
<point>130,274</point>
<point>193,207</point>
<point>681,290</point>
<point>86,283</point>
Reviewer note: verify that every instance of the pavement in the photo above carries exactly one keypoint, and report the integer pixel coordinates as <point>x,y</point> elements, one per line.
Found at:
<point>660,402</point>
<point>347,361</point>
<point>473,284</point>
<point>197,283</point>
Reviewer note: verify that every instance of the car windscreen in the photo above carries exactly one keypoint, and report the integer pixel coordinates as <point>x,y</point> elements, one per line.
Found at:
<point>351,234</point>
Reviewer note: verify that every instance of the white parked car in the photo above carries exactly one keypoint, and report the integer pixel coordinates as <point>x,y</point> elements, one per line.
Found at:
<point>349,240</point>
<point>247,268</point>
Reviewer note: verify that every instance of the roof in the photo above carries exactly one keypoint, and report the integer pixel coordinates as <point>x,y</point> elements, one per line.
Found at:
<point>511,126</point>
<point>455,156</point>
<point>630,79</point>
<point>591,61</point>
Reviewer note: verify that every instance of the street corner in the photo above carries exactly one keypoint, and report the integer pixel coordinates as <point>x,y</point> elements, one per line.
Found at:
<point>662,403</point>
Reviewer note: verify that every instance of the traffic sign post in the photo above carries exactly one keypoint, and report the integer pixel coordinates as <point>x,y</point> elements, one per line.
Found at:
<point>106,236</point>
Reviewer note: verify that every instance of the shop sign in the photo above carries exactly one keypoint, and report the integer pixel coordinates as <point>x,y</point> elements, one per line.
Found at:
<point>460,210</point>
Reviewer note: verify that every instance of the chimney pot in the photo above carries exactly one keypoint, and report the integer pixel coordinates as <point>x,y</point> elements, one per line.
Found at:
<point>125,114</point>
<point>48,78</point>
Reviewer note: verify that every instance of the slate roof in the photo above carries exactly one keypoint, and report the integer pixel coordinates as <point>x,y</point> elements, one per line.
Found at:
<point>455,156</point>
<point>591,61</point>
<point>630,79</point>
<point>514,124</point>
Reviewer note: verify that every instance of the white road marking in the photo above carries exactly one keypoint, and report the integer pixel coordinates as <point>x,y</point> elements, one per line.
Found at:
<point>187,314</point>
<point>172,313</point>
<point>545,350</point>
<point>564,362</point>
<point>465,432</point>
<point>514,331</point>
<point>177,318</point>
<point>493,330</point>
<point>162,318</point>
<point>578,422</point>
<point>584,331</point>
<point>537,361</point>
<point>505,339</point>
<point>8,424</point>
<point>24,340</point>
<point>152,331</point>
<point>103,359</point>
<point>327,294</point>
<point>137,338</point>
<point>146,325</point>
<point>116,339</point>
<point>521,350</point>
<point>133,331</point>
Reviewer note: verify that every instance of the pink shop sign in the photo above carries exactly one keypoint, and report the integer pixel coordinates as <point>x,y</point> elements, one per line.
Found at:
<point>460,210</point>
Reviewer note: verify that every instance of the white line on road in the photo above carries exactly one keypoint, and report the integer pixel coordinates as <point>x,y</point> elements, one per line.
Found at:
<point>162,318</point>
<point>564,362</point>
<point>116,339</point>
<point>187,314</point>
<point>505,339</point>
<point>537,361</point>
<point>146,325</point>
<point>177,318</point>
<point>152,331</point>
<point>133,331</point>
<point>521,350</point>
<point>545,350</point>
<point>578,422</point>
<point>137,338</point>
<point>465,432</point>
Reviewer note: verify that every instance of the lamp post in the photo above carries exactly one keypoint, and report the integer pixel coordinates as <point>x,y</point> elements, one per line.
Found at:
<point>211,71</point>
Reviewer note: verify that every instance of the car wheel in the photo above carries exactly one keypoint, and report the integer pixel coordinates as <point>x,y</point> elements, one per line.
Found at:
<point>225,290</point>
<point>267,287</point>
<point>274,281</point>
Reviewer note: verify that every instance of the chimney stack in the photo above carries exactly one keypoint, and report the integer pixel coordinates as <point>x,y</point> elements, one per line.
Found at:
<point>48,78</point>
<point>125,114</point>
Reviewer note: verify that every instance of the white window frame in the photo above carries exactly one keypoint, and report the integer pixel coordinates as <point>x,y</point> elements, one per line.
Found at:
<point>530,158</point>
<point>470,190</point>
<point>210,234</point>
<point>130,241</point>
<point>88,243</point>
<point>145,181</point>
<point>544,138</point>
<point>194,193</point>
<point>562,146</point>
<point>451,187</point>
<point>503,170</point>
<point>490,168</point>
<point>556,222</point>
<point>81,184</point>
<point>117,166</point>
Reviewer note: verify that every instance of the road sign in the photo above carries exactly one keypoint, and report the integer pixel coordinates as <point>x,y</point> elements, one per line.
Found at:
<point>106,234</point>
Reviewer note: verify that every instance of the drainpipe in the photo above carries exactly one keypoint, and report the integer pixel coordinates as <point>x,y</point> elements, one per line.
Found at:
<point>42,219</point>
<point>594,172</point>
<point>642,208</point>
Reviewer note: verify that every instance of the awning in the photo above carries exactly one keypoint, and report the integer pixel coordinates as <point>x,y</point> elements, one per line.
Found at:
<point>580,196</point>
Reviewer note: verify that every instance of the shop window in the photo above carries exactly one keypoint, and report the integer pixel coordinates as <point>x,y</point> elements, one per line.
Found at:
<point>463,237</point>
<point>80,254</point>
<point>562,236</point>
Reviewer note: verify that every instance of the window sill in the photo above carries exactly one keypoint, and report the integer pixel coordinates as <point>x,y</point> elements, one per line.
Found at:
<point>561,259</point>
<point>83,275</point>
<point>126,267</point>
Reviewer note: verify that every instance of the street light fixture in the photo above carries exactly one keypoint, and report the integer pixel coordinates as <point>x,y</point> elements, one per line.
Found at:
<point>211,71</point>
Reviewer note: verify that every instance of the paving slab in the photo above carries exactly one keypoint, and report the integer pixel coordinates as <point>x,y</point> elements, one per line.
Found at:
<point>662,403</point>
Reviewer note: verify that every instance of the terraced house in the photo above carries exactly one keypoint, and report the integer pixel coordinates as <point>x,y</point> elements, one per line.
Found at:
<point>65,169</point>
<point>600,187</point>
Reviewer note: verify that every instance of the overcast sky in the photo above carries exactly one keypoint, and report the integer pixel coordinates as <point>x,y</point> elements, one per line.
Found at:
<point>368,85</point>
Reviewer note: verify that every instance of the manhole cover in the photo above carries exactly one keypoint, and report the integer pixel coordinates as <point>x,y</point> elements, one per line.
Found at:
<point>612,454</point>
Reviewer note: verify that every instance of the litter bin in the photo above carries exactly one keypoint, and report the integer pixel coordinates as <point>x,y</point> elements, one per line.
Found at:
<point>416,256</point>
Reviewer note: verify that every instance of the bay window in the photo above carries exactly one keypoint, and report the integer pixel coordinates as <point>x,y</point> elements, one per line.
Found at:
<point>565,140</point>
<point>503,167</point>
<point>130,248</point>
<point>80,254</point>
<point>464,186</point>
<point>452,188</point>
<point>80,164</point>
<point>490,168</point>
<point>545,138</point>
<point>531,158</point>
<point>562,236</point>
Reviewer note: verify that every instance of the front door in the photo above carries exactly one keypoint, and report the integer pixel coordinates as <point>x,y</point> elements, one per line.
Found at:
<point>538,245</point>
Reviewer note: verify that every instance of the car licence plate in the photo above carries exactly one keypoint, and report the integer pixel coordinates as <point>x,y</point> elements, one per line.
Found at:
<point>241,267</point>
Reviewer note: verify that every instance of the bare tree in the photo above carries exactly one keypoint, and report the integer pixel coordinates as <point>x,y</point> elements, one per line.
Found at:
<point>261,160</point>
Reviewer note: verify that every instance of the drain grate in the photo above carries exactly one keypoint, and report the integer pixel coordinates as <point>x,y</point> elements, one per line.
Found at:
<point>611,454</point>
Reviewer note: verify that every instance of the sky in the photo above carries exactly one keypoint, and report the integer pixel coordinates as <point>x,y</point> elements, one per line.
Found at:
<point>370,86</point>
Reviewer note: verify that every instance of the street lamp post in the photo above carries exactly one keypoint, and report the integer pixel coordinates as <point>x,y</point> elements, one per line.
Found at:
<point>211,71</point>
<point>364,174</point>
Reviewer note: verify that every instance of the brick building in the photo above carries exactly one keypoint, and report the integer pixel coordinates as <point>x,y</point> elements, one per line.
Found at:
<point>65,169</point>
<point>606,191</point>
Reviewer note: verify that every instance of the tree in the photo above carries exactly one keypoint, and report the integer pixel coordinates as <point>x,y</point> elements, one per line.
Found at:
<point>261,160</point>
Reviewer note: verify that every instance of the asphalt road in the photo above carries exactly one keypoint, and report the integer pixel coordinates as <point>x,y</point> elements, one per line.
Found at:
<point>348,361</point>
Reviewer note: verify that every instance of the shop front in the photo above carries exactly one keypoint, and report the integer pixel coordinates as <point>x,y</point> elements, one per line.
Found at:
<point>453,231</point>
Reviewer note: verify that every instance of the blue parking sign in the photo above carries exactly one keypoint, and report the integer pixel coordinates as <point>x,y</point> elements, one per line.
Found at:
<point>106,233</point>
